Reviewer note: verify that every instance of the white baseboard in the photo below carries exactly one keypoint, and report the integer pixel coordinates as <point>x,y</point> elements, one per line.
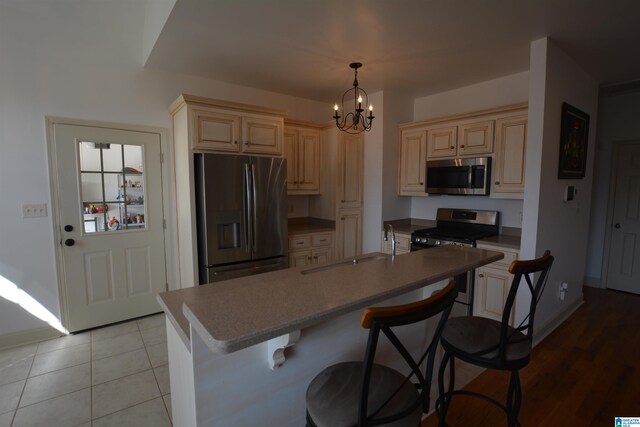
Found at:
<point>542,332</point>
<point>29,336</point>
<point>593,282</point>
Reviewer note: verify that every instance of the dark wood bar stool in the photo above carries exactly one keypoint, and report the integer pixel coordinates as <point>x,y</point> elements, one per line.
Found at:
<point>368,394</point>
<point>494,345</point>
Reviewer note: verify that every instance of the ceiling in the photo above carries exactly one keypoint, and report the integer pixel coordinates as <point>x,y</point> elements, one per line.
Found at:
<point>419,47</point>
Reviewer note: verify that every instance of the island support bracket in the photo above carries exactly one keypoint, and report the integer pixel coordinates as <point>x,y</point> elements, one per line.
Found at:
<point>276,347</point>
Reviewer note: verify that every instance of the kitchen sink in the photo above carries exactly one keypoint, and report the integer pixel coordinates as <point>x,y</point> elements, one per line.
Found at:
<point>343,263</point>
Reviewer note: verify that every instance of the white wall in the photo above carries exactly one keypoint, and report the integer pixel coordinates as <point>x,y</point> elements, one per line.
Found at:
<point>550,223</point>
<point>507,90</point>
<point>617,121</point>
<point>79,60</point>
<point>373,168</point>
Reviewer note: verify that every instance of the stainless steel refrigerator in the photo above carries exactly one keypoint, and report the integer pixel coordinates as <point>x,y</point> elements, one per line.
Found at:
<point>241,209</point>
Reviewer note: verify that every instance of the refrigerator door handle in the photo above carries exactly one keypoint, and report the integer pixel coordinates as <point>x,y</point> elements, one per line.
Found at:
<point>248,227</point>
<point>254,209</point>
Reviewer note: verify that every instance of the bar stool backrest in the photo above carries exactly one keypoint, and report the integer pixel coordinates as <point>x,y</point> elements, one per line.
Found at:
<point>524,272</point>
<point>383,319</point>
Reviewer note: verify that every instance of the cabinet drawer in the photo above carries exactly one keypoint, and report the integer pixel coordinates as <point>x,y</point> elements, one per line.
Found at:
<point>323,239</point>
<point>299,242</point>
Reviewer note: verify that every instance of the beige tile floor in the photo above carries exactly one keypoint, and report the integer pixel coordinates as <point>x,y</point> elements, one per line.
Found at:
<point>112,376</point>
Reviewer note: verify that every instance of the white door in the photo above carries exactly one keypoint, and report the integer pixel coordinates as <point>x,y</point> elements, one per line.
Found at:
<point>109,209</point>
<point>623,272</point>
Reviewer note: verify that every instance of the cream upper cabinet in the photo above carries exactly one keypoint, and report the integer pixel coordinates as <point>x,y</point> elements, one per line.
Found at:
<point>302,151</point>
<point>500,133</point>
<point>216,131</point>
<point>228,127</point>
<point>441,142</point>
<point>262,135</point>
<point>467,139</point>
<point>350,171</point>
<point>413,155</point>
<point>475,138</point>
<point>511,146</point>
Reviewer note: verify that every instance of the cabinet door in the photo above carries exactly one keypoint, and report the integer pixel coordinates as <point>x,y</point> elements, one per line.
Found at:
<point>441,142</point>
<point>309,161</point>
<point>349,234</point>
<point>291,155</point>
<point>350,171</point>
<point>262,135</point>
<point>511,146</point>
<point>299,258</point>
<point>216,131</point>
<point>475,138</point>
<point>491,289</point>
<point>322,255</point>
<point>413,156</point>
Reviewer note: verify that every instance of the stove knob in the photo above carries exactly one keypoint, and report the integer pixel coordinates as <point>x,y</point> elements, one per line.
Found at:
<point>438,242</point>
<point>423,240</point>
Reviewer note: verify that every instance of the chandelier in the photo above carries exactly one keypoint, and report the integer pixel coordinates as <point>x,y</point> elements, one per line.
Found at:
<point>354,121</point>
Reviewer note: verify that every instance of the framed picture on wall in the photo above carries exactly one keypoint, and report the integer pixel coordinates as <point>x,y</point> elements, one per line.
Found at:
<point>574,134</point>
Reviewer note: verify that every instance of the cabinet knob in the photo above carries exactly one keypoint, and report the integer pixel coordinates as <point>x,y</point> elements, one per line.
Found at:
<point>247,143</point>
<point>295,182</point>
<point>341,201</point>
<point>462,146</point>
<point>342,219</point>
<point>453,147</point>
<point>481,275</point>
<point>617,225</point>
<point>235,142</point>
<point>497,182</point>
<point>315,257</point>
<point>309,258</point>
<point>422,183</point>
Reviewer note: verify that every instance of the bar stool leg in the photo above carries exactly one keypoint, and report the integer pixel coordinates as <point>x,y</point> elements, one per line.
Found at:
<point>442,406</point>
<point>514,399</point>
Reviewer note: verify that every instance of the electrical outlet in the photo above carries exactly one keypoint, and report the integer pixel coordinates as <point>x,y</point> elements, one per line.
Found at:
<point>562,290</point>
<point>34,211</point>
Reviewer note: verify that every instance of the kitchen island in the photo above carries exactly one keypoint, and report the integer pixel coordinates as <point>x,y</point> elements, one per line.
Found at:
<point>242,352</point>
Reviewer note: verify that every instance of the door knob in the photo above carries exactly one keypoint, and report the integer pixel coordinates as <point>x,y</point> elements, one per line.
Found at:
<point>69,242</point>
<point>617,225</point>
<point>68,228</point>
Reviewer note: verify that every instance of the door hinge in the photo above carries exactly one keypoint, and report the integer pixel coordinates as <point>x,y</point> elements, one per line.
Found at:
<point>164,224</point>
<point>161,157</point>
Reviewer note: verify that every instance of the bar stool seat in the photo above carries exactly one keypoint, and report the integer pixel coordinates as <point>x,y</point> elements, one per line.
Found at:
<point>335,392</point>
<point>474,340</point>
<point>364,393</point>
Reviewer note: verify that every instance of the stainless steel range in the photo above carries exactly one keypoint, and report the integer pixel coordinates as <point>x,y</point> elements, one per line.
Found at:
<point>458,227</point>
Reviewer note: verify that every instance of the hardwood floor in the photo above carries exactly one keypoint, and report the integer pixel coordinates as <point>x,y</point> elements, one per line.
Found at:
<point>586,373</point>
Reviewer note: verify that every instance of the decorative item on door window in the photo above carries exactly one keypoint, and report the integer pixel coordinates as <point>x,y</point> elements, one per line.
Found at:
<point>354,121</point>
<point>573,143</point>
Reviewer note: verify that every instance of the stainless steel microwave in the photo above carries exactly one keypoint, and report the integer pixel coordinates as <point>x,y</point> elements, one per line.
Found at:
<point>468,176</point>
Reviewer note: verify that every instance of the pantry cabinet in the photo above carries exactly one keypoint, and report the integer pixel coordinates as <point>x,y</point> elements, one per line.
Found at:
<point>302,151</point>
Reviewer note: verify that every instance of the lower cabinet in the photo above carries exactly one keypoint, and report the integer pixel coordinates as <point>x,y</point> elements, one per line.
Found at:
<point>349,233</point>
<point>492,284</point>
<point>403,243</point>
<point>310,249</point>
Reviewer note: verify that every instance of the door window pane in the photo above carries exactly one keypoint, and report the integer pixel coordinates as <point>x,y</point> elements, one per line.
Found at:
<point>112,187</point>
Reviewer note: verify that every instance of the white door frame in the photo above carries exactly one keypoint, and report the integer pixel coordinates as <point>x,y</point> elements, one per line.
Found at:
<point>615,147</point>
<point>53,184</point>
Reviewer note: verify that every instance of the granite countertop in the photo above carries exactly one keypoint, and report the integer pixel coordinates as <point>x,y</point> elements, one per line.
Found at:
<point>310,225</point>
<point>238,313</point>
<point>503,240</point>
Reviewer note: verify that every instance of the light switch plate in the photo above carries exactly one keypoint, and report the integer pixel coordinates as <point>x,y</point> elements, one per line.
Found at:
<point>34,211</point>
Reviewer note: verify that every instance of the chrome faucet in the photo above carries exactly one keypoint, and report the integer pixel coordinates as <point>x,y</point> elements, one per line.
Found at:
<point>389,227</point>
